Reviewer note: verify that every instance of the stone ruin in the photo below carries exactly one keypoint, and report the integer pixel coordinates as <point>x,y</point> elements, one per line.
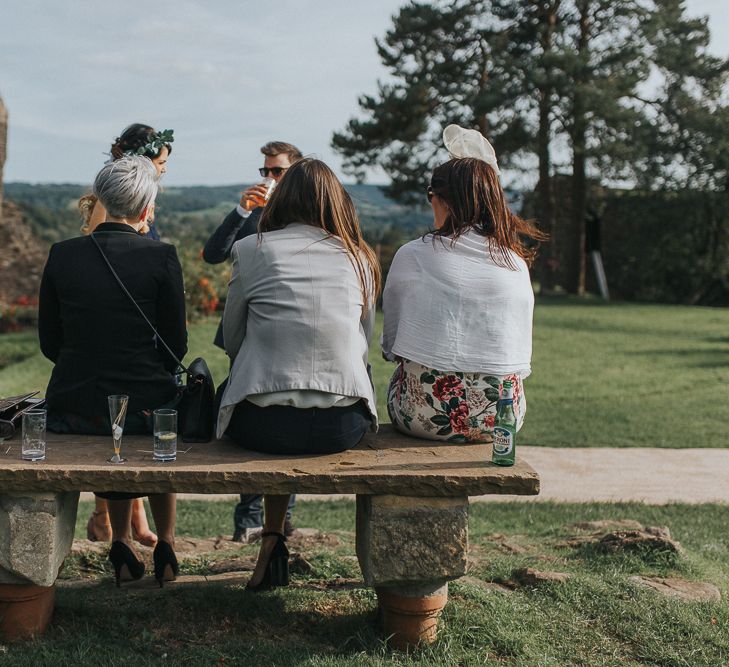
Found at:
<point>3,147</point>
<point>22,254</point>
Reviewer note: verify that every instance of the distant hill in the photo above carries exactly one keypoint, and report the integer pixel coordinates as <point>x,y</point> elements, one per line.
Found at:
<point>192,212</point>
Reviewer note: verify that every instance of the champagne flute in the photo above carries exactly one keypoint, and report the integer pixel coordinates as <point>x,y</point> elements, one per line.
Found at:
<point>117,414</point>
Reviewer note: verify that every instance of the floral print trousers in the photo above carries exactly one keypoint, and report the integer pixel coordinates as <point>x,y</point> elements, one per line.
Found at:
<point>450,406</point>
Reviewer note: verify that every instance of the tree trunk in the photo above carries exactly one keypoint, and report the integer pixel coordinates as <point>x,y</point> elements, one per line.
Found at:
<point>579,144</point>
<point>482,120</point>
<point>545,204</point>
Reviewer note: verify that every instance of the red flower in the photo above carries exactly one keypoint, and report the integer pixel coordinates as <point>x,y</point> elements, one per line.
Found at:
<point>460,419</point>
<point>488,421</point>
<point>447,387</point>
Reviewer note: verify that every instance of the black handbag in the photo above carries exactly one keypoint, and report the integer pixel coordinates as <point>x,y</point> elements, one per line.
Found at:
<point>196,404</point>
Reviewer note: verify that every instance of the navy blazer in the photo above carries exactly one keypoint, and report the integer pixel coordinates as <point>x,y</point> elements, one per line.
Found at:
<point>232,229</point>
<point>94,335</point>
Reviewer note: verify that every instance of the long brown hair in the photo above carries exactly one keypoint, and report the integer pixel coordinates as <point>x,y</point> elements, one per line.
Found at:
<point>310,193</point>
<point>470,190</point>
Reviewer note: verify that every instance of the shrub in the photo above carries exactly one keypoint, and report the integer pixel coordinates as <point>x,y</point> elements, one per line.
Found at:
<point>21,314</point>
<point>205,284</point>
<point>667,247</point>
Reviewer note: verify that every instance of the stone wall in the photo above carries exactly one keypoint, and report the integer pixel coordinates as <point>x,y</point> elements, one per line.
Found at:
<point>3,145</point>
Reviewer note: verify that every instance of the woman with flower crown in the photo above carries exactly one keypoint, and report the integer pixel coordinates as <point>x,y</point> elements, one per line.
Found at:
<point>137,139</point>
<point>458,302</point>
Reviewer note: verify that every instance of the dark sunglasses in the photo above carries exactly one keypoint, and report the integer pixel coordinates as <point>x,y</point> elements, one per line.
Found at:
<point>274,171</point>
<point>429,194</point>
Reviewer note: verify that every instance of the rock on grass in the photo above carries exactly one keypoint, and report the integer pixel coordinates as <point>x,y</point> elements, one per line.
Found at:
<point>690,591</point>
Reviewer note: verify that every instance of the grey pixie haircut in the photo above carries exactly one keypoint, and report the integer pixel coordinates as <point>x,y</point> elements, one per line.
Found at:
<point>127,186</point>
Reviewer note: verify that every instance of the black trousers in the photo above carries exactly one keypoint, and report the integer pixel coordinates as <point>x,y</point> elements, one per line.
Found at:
<point>284,429</point>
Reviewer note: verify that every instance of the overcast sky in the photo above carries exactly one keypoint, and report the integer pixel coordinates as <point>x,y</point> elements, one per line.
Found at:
<point>226,75</point>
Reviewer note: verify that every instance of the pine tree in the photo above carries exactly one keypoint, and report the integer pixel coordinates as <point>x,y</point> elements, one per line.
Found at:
<point>444,68</point>
<point>689,131</point>
<point>535,74</point>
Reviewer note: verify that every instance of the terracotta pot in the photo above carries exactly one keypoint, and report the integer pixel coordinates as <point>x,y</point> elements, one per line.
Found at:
<point>25,611</point>
<point>409,621</point>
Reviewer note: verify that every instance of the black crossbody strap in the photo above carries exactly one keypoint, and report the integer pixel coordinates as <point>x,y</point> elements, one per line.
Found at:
<point>136,305</point>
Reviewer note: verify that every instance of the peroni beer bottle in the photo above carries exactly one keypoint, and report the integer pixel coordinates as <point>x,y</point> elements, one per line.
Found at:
<point>505,428</point>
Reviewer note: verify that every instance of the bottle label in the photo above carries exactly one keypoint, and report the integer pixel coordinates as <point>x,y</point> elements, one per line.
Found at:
<point>503,441</point>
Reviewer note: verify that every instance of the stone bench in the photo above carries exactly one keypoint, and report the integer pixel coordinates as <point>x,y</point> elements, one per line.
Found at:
<point>412,511</point>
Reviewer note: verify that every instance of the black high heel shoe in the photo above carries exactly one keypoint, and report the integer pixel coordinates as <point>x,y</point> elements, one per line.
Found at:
<point>127,567</point>
<point>166,567</point>
<point>277,568</point>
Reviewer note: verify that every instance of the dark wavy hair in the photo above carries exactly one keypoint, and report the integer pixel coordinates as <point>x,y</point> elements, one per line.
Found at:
<point>310,193</point>
<point>472,194</point>
<point>133,138</point>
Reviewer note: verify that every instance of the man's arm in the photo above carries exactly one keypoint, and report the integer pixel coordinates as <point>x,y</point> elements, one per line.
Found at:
<point>234,227</point>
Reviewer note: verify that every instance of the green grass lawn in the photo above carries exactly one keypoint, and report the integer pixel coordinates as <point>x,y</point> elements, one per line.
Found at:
<point>596,618</point>
<point>619,374</point>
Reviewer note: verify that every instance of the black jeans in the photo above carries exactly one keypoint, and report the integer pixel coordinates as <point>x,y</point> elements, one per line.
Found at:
<point>284,429</point>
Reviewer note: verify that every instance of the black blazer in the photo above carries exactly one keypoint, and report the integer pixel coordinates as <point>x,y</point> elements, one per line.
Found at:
<point>89,329</point>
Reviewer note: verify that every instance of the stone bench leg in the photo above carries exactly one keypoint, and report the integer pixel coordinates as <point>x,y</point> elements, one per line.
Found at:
<point>408,549</point>
<point>36,534</point>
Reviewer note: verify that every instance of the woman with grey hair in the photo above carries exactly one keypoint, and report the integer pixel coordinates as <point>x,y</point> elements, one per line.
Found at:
<point>100,344</point>
<point>136,139</point>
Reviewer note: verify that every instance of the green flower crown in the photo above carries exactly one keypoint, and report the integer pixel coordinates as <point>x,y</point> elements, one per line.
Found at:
<point>155,144</point>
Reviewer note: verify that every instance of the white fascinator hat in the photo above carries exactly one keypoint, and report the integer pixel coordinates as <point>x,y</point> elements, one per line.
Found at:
<point>469,143</point>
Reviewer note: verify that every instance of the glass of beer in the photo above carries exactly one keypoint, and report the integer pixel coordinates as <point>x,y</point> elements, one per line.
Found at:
<point>270,185</point>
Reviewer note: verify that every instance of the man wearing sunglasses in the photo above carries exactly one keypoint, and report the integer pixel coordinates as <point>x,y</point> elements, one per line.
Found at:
<point>242,221</point>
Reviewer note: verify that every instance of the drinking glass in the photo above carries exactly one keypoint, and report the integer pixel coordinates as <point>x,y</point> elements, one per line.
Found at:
<point>270,185</point>
<point>33,447</point>
<point>117,415</point>
<point>165,435</point>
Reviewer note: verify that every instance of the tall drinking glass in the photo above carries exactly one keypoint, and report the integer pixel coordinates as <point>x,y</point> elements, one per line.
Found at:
<point>33,447</point>
<point>165,435</point>
<point>117,415</point>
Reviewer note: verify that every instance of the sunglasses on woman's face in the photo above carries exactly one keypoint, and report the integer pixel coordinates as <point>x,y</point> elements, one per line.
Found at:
<point>429,194</point>
<point>274,171</point>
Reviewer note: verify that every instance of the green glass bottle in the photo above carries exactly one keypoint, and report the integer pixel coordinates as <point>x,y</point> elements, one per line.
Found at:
<point>505,427</point>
